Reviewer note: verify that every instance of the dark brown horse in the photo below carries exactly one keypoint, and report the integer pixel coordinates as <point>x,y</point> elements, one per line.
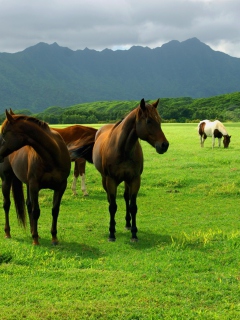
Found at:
<point>70,135</point>
<point>117,155</point>
<point>33,154</point>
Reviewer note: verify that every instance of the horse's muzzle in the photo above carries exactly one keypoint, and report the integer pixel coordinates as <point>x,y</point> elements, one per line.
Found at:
<point>162,148</point>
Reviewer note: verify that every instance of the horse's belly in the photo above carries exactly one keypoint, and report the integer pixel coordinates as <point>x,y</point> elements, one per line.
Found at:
<point>52,180</point>
<point>124,172</point>
<point>208,131</point>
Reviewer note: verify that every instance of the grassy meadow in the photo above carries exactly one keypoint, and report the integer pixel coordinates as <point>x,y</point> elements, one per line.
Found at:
<point>186,264</point>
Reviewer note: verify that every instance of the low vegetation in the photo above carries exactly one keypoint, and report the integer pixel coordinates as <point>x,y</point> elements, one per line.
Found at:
<point>184,266</point>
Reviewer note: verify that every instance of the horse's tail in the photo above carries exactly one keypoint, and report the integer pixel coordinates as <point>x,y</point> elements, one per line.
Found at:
<point>18,196</point>
<point>84,151</point>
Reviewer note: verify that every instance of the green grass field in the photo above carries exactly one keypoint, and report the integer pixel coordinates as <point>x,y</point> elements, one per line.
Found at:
<point>185,265</point>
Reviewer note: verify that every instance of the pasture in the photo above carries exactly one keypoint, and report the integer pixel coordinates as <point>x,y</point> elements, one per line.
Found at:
<point>184,266</point>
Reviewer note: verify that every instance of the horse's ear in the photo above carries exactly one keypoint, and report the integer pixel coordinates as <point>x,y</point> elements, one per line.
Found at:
<point>11,112</point>
<point>155,104</point>
<point>142,105</point>
<point>9,116</point>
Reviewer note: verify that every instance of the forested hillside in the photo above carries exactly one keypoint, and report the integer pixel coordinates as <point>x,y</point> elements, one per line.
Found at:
<point>223,107</point>
<point>49,75</point>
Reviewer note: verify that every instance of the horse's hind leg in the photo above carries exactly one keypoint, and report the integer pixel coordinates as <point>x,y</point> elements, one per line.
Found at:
<point>29,209</point>
<point>133,206</point>
<point>201,141</point>
<point>81,169</point>
<point>57,197</point>
<point>75,176</point>
<point>6,187</point>
<point>35,214</point>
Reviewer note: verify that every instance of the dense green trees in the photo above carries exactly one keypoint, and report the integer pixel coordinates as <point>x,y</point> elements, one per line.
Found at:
<point>224,108</point>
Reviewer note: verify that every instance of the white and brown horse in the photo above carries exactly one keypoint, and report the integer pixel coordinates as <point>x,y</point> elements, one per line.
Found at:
<point>215,129</point>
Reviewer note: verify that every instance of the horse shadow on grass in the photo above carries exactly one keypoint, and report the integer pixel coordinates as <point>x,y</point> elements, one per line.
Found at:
<point>147,240</point>
<point>67,248</point>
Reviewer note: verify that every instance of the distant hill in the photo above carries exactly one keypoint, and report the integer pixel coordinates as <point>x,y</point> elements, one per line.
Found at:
<point>223,107</point>
<point>49,75</point>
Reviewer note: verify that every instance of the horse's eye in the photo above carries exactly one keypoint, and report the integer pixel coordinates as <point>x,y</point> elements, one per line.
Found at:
<point>148,120</point>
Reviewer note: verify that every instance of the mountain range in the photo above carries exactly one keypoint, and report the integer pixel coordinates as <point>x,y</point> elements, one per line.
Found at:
<point>49,75</point>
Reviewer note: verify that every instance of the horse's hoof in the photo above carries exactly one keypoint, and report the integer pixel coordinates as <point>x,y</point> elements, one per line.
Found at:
<point>128,228</point>
<point>111,239</point>
<point>134,240</point>
<point>55,242</point>
<point>8,236</point>
<point>35,243</point>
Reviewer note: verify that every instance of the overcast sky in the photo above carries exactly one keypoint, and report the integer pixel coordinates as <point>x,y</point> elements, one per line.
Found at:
<point>119,24</point>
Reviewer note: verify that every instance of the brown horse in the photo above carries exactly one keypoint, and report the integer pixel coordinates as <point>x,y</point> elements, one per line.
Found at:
<point>69,135</point>
<point>33,154</point>
<point>117,155</point>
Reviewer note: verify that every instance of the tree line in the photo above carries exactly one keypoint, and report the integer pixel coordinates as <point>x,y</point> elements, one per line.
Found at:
<point>184,109</point>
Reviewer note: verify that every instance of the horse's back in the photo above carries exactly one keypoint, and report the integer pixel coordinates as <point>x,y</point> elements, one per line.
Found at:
<point>206,127</point>
<point>103,129</point>
<point>75,132</point>
<point>214,128</point>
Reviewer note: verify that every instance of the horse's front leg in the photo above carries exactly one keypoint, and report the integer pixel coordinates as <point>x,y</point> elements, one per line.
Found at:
<point>213,141</point>
<point>128,216</point>
<point>57,197</point>
<point>134,188</point>
<point>111,188</point>
<point>219,142</point>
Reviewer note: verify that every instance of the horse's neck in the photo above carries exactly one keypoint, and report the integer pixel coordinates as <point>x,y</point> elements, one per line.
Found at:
<point>126,133</point>
<point>221,128</point>
<point>43,143</point>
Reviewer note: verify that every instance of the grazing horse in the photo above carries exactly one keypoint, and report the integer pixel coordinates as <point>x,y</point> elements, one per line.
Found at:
<point>69,135</point>
<point>215,129</point>
<point>32,153</point>
<point>118,156</point>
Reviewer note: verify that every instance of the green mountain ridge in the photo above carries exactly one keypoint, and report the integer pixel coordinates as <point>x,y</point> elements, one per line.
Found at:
<point>49,75</point>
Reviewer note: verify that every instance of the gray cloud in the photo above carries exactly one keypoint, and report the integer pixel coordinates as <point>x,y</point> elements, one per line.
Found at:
<point>100,24</point>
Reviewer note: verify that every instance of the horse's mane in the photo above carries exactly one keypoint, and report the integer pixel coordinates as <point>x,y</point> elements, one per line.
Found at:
<point>117,124</point>
<point>40,123</point>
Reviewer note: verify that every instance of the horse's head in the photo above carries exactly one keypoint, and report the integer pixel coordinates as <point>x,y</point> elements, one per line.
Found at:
<point>148,126</point>
<point>226,140</point>
<point>10,140</point>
